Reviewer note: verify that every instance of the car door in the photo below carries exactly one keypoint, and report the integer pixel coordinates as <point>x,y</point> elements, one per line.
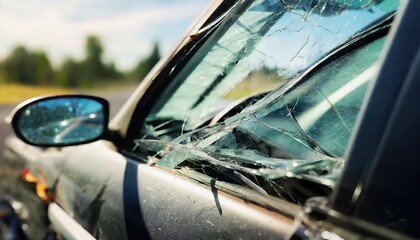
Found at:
<point>105,188</point>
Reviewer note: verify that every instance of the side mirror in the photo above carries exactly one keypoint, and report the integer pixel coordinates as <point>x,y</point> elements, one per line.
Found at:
<point>58,121</point>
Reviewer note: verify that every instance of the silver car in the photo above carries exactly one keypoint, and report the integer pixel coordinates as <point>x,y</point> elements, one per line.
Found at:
<point>272,119</point>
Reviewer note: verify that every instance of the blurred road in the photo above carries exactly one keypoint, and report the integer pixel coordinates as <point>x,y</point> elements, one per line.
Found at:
<point>4,128</point>
<point>116,100</point>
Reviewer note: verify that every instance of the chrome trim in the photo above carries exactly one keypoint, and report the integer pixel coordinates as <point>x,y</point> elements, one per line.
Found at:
<point>65,225</point>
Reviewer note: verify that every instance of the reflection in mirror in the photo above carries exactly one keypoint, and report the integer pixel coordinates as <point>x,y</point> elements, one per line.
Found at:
<point>61,121</point>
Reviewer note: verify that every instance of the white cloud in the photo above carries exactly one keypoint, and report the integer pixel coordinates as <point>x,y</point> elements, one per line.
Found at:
<point>60,26</point>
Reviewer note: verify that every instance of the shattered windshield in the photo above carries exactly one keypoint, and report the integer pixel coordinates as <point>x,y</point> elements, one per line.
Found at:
<point>296,135</point>
<point>259,46</point>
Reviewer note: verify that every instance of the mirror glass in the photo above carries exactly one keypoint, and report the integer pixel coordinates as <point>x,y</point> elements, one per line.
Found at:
<point>61,121</point>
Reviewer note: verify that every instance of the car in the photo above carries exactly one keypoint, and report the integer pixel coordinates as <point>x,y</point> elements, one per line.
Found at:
<point>271,120</point>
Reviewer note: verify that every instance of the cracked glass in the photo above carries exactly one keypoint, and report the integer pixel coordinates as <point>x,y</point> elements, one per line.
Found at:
<point>270,99</point>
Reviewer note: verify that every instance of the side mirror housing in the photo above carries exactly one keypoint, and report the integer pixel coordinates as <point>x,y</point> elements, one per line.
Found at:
<point>63,120</point>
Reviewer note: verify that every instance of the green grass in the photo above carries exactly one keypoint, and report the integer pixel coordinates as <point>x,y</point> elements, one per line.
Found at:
<point>15,93</point>
<point>253,84</point>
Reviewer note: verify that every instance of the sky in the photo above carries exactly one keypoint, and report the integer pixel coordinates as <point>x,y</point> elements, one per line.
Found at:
<point>127,28</point>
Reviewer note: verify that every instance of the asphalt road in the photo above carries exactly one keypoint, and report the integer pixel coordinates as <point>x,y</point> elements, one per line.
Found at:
<point>116,100</point>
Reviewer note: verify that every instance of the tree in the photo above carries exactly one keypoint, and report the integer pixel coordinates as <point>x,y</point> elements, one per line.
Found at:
<point>111,71</point>
<point>69,74</point>
<point>146,64</point>
<point>16,66</point>
<point>22,66</point>
<point>26,67</point>
<point>94,68</point>
<point>43,71</point>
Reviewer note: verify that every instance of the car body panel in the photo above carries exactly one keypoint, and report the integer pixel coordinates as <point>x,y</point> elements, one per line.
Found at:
<point>171,205</point>
<point>113,196</point>
<point>175,206</point>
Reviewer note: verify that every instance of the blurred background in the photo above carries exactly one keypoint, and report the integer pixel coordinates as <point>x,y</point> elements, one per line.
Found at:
<point>60,46</point>
<point>100,47</point>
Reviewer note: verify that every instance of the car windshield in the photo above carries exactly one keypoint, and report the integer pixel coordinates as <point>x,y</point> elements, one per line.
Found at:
<point>255,47</point>
<point>298,132</point>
